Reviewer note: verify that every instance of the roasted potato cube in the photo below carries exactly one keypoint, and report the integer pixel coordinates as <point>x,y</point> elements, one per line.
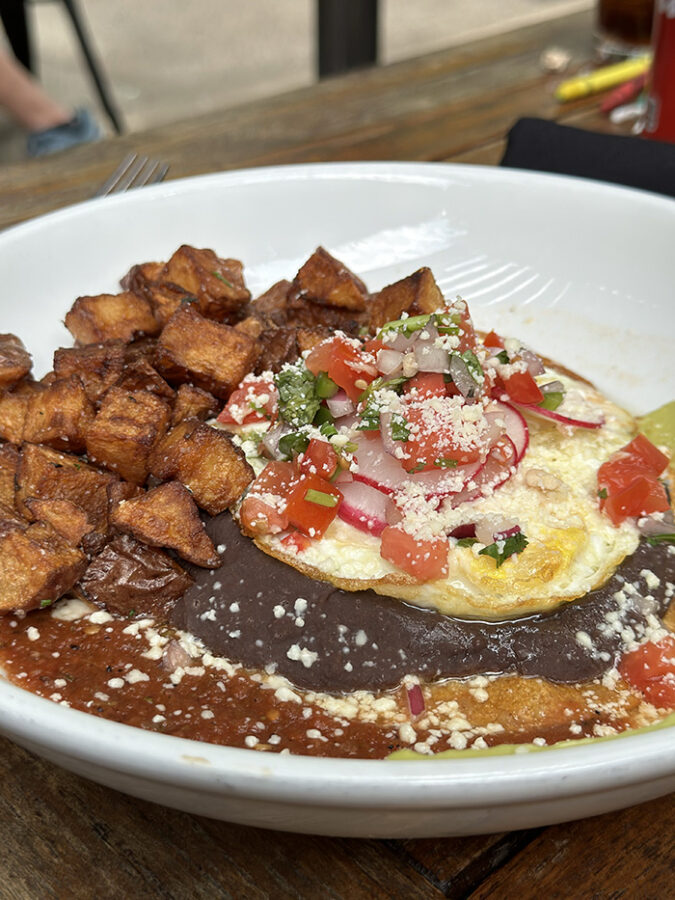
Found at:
<point>110,317</point>
<point>206,461</point>
<point>417,294</point>
<point>272,306</point>
<point>167,517</point>
<point>37,566</point>
<point>142,349</point>
<point>278,346</point>
<point>218,284</point>
<point>141,376</point>
<point>15,362</point>
<point>167,299</point>
<point>307,338</point>
<point>11,520</point>
<point>251,325</point>
<point>138,277</point>
<point>65,517</point>
<point>124,431</point>
<point>44,474</point>
<point>194,403</point>
<point>326,279</point>
<point>13,407</point>
<point>59,415</point>
<point>213,356</point>
<point>9,464</point>
<point>302,312</point>
<point>131,578</point>
<point>97,365</point>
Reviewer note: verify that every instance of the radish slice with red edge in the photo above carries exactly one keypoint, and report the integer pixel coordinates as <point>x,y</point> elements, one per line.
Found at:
<point>364,507</point>
<point>514,423</point>
<point>555,416</point>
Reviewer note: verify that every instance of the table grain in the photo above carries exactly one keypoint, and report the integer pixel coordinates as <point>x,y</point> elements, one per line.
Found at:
<point>64,837</point>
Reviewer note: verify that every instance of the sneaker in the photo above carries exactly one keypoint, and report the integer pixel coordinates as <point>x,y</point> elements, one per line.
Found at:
<point>82,129</point>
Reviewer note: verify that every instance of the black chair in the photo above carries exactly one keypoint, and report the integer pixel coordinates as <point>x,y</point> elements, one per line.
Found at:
<point>15,22</point>
<point>347,35</point>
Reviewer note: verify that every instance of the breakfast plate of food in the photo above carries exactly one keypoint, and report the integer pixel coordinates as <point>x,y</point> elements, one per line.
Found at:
<point>337,498</point>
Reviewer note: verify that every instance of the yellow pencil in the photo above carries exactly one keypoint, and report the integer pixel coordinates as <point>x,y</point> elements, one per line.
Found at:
<point>602,79</point>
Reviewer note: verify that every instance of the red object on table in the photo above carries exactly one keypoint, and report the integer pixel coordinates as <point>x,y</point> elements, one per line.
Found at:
<point>660,122</point>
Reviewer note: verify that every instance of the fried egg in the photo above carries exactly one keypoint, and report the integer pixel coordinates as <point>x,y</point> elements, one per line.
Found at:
<point>573,546</point>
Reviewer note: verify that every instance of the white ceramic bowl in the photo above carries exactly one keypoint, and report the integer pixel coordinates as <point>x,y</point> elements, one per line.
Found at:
<point>581,271</point>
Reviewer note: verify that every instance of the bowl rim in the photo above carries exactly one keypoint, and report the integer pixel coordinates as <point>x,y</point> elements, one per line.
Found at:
<point>469,782</point>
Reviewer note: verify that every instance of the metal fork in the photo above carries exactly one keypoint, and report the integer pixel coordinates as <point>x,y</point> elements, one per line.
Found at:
<point>134,171</point>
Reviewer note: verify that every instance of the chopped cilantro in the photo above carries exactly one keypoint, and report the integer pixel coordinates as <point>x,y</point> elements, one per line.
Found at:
<point>321,498</point>
<point>325,386</point>
<point>188,298</point>
<point>298,403</point>
<point>661,539</point>
<point>327,429</point>
<point>466,542</point>
<point>323,417</point>
<point>417,468</point>
<point>382,384</point>
<point>399,428</point>
<point>445,463</point>
<point>602,493</point>
<point>290,445</point>
<point>370,418</point>
<point>445,323</point>
<point>514,544</point>
<point>472,364</point>
<point>503,357</point>
<point>44,603</point>
<point>350,447</point>
<point>223,279</point>
<point>552,400</point>
<point>131,613</point>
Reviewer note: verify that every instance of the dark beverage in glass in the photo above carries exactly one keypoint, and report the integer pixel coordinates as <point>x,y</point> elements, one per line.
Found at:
<point>624,27</point>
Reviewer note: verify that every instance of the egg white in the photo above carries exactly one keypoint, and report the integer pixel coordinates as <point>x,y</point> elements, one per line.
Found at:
<point>573,547</point>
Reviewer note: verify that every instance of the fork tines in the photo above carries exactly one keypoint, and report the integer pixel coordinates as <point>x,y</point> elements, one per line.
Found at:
<point>134,171</point>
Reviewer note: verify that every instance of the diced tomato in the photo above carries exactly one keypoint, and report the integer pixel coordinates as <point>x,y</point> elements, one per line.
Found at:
<point>426,384</point>
<point>312,516</point>
<point>467,335</point>
<point>430,448</point>
<point>652,457</point>
<point>620,472</point>
<point>522,388</point>
<point>295,540</point>
<point>350,367</point>
<point>424,560</point>
<point>651,670</point>
<point>373,345</point>
<point>642,497</point>
<point>255,400</point>
<point>492,339</point>
<point>263,510</point>
<point>320,458</point>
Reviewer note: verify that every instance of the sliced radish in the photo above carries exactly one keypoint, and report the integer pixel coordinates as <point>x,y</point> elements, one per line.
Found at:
<point>514,423</point>
<point>555,416</point>
<point>497,469</point>
<point>364,507</point>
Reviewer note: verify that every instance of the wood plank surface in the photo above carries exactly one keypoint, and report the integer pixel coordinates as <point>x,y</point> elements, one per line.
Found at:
<point>442,106</point>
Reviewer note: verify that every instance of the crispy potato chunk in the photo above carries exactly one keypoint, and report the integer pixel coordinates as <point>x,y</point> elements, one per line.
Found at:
<point>130,578</point>
<point>327,280</point>
<point>13,408</point>
<point>272,306</point>
<point>36,566</point>
<point>279,346</point>
<point>194,403</point>
<point>141,349</point>
<point>15,362</point>
<point>206,461</point>
<point>9,464</point>
<point>11,520</point>
<point>251,325</point>
<point>65,517</point>
<point>307,338</point>
<point>213,356</point>
<point>110,317</point>
<point>124,431</point>
<point>167,517</point>
<point>138,277</point>
<point>44,474</point>
<point>417,294</point>
<point>97,365</point>
<point>58,415</point>
<point>141,376</point>
<point>218,284</point>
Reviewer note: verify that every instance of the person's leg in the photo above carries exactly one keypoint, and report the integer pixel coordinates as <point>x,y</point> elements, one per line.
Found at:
<point>25,100</point>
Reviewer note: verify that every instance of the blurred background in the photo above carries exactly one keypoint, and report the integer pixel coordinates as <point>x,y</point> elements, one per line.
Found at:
<point>170,59</point>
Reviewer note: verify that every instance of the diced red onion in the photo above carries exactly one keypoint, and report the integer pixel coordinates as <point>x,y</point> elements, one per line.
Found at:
<point>401,343</point>
<point>431,358</point>
<point>271,439</point>
<point>552,387</point>
<point>389,362</point>
<point>416,703</point>
<point>388,441</point>
<point>462,377</point>
<point>650,526</point>
<point>340,405</point>
<point>535,366</point>
<point>175,657</point>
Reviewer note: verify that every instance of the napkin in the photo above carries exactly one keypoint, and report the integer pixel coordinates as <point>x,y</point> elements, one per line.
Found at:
<point>632,161</point>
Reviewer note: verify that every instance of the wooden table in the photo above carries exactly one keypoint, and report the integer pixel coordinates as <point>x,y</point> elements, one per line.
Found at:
<point>61,836</point>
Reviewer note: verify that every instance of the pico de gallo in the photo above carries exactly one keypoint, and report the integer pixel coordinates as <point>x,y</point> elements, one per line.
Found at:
<point>426,407</point>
